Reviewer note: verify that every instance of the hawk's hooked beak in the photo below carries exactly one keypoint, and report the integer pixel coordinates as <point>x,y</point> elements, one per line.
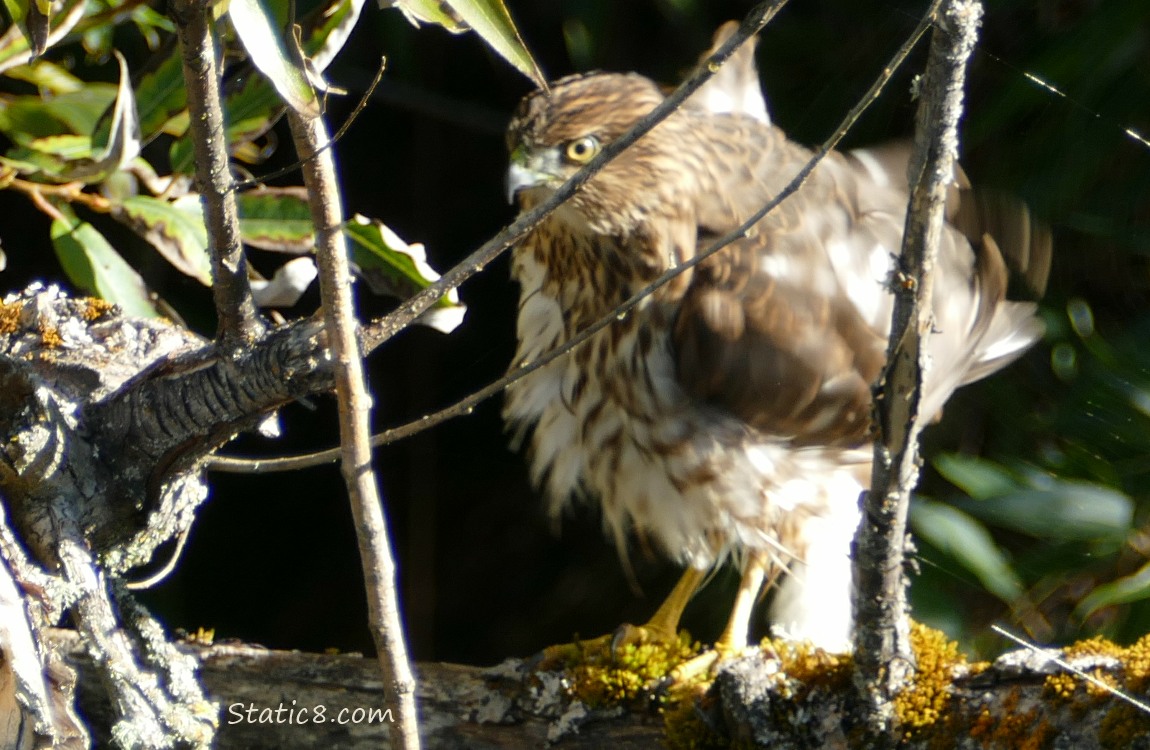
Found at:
<point>529,169</point>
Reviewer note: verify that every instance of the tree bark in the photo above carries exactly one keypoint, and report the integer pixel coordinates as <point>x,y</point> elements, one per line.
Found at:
<point>1024,697</point>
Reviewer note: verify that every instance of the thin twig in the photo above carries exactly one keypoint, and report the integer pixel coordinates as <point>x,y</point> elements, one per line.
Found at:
<point>883,658</point>
<point>311,139</point>
<point>339,134</point>
<point>239,319</point>
<point>466,405</point>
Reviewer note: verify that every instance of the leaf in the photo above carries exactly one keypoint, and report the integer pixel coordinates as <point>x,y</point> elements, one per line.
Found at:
<point>252,110</point>
<point>264,43</point>
<point>64,146</point>
<point>176,229</point>
<point>48,77</point>
<point>977,477</point>
<point>95,267</point>
<point>288,284</point>
<point>276,219</point>
<point>493,23</point>
<point>123,137</point>
<point>37,24</point>
<point>161,95</point>
<point>437,12</point>
<point>49,157</point>
<point>17,43</point>
<point>26,117</point>
<point>390,266</point>
<point>1064,510</point>
<point>489,19</point>
<point>329,38</point>
<point>969,542</point>
<point>1131,588</point>
<point>149,23</point>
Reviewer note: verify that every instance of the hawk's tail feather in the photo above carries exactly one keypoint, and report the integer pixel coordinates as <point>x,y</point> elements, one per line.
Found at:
<point>1024,241</point>
<point>1012,331</point>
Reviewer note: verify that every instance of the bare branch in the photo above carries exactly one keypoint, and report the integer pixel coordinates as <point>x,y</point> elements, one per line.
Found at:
<point>882,648</point>
<point>239,320</point>
<point>311,139</point>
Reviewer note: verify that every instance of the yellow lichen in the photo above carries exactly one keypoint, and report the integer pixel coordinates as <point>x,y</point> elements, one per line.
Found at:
<point>1062,685</point>
<point>923,703</point>
<point>809,666</point>
<point>50,337</point>
<point>1011,728</point>
<point>95,308</point>
<point>9,318</point>
<point>601,678</point>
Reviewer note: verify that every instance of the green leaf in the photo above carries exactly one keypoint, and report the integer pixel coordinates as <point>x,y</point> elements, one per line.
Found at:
<point>176,229</point>
<point>437,12</point>
<point>49,157</point>
<point>390,266</point>
<point>24,118</point>
<point>33,31</point>
<point>1128,589</point>
<point>493,23</point>
<point>95,267</point>
<point>149,22</point>
<point>966,540</point>
<point>1065,510</point>
<point>16,10</point>
<point>264,44</point>
<point>48,77</point>
<point>98,40</point>
<point>161,95</point>
<point>276,219</point>
<point>121,143</point>
<point>489,19</point>
<point>68,147</point>
<point>252,110</point>
<point>332,34</point>
<point>977,477</point>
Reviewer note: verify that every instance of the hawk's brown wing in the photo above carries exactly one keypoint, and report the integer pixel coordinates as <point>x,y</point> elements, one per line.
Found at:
<point>786,361</point>
<point>787,328</point>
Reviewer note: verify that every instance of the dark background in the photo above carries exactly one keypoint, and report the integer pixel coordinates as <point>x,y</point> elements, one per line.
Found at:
<point>273,558</point>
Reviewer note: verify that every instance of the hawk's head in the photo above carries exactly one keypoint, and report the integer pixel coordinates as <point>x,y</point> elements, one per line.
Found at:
<point>554,133</point>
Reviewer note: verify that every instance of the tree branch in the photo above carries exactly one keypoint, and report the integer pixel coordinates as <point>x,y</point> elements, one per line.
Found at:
<point>311,139</point>
<point>882,649</point>
<point>239,319</point>
<point>1022,698</point>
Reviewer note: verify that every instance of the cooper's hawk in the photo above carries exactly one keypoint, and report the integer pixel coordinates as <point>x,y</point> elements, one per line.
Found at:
<point>729,415</point>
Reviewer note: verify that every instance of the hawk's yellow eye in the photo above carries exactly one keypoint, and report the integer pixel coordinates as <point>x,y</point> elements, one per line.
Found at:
<point>582,150</point>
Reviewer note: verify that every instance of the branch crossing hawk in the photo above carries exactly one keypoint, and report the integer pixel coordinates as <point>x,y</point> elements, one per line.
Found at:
<point>728,417</point>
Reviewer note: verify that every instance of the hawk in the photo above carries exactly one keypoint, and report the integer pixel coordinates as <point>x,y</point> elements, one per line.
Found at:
<point>728,416</point>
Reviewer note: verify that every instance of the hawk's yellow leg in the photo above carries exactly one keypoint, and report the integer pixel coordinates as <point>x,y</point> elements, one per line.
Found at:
<point>734,637</point>
<point>662,627</point>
